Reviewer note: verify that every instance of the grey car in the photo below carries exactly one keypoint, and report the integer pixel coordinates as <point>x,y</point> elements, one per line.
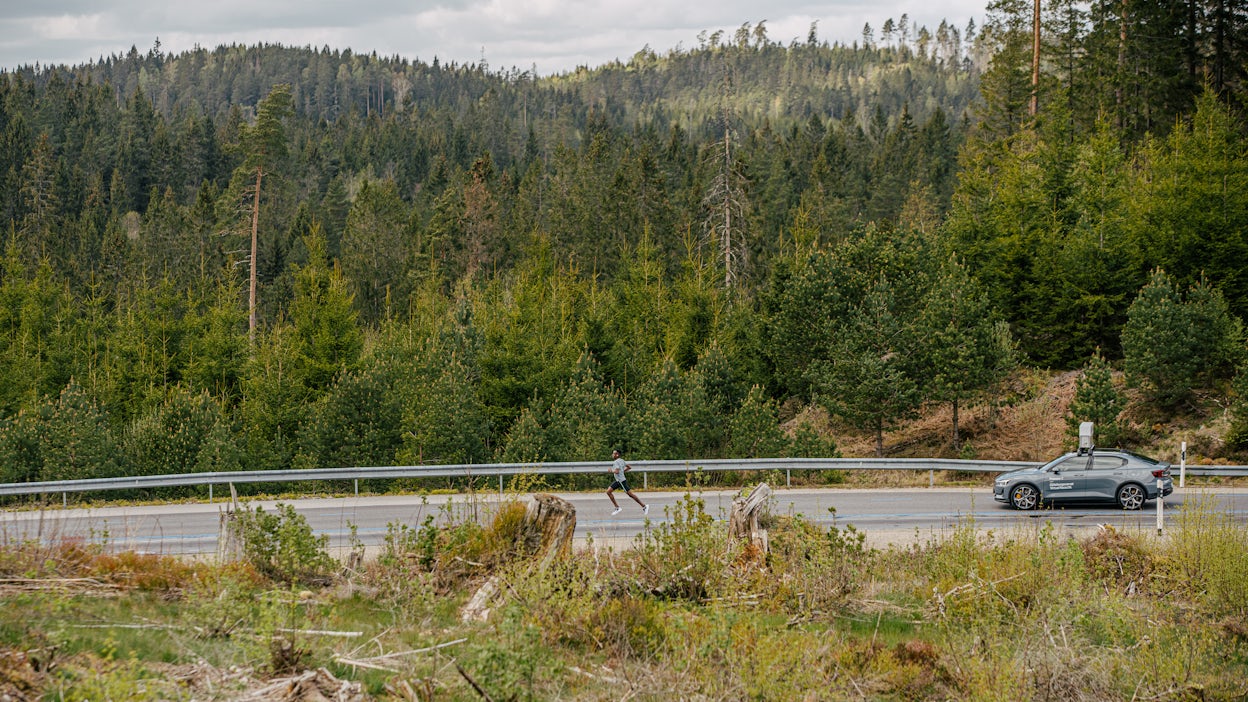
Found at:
<point>1096,475</point>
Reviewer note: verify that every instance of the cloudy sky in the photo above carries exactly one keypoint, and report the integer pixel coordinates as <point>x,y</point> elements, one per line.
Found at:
<point>552,36</point>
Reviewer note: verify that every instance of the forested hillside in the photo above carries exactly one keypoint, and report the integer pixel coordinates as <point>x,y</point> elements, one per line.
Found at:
<point>272,257</point>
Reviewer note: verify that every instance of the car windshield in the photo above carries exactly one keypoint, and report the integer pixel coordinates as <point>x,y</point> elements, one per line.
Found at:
<point>1049,466</point>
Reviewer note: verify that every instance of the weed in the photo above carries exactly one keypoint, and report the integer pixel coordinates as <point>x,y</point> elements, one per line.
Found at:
<point>1206,559</point>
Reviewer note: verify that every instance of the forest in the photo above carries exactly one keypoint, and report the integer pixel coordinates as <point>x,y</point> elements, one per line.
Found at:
<point>270,257</point>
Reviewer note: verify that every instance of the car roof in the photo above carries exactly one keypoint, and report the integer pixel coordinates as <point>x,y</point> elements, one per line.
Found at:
<point>1117,452</point>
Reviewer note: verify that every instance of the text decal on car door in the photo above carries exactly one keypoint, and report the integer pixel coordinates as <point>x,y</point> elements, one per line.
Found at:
<point>1060,485</point>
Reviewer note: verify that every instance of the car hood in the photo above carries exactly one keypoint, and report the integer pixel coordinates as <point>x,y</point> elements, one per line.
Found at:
<point>1021,473</point>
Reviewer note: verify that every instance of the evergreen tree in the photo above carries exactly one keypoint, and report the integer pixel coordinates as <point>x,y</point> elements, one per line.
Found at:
<point>1096,400</point>
<point>966,347</point>
<point>357,423</point>
<point>265,144</point>
<point>1189,202</point>
<point>168,438</point>
<point>325,322</point>
<point>75,441</point>
<point>754,429</point>
<point>445,421</point>
<point>584,419</point>
<point>1170,344</point>
<point>376,250</point>
<point>870,376</point>
<point>525,441</point>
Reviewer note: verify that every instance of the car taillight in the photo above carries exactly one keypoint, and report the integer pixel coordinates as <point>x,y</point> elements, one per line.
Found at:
<point>1160,473</point>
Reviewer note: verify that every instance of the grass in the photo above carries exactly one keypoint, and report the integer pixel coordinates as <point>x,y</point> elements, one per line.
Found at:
<point>685,613</point>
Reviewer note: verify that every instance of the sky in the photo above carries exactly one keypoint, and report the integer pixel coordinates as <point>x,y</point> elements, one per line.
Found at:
<point>548,36</point>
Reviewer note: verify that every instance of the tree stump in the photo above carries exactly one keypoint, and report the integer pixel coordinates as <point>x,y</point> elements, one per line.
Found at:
<point>230,532</point>
<point>549,523</point>
<point>743,522</point>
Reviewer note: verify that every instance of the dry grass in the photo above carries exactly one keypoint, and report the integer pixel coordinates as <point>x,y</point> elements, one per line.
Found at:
<point>1027,422</point>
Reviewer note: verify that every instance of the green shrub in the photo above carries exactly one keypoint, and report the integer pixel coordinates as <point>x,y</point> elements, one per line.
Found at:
<point>281,545</point>
<point>686,557</point>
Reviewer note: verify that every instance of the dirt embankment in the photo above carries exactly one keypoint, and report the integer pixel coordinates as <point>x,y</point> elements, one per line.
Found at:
<point>1027,421</point>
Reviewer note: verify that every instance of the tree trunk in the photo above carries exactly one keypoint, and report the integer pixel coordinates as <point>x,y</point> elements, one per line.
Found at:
<point>1035,59</point>
<point>255,237</point>
<point>957,440</point>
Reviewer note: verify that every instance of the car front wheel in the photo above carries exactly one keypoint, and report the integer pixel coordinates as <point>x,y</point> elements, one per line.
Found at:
<point>1131,496</point>
<point>1024,497</point>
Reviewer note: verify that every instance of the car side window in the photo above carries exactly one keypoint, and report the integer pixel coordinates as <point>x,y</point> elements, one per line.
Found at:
<point>1073,463</point>
<point>1108,463</point>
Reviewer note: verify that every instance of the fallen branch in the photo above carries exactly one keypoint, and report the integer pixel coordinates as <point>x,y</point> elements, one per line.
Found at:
<point>374,662</point>
<point>427,649</point>
<point>319,632</point>
<point>484,695</point>
<point>363,664</point>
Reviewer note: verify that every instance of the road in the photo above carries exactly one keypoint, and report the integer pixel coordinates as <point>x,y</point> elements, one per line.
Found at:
<point>901,516</point>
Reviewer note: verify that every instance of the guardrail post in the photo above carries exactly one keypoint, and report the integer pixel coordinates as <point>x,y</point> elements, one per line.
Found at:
<point>931,478</point>
<point>357,487</point>
<point>65,500</point>
<point>645,480</point>
<point>788,477</point>
<point>500,484</point>
<point>209,493</point>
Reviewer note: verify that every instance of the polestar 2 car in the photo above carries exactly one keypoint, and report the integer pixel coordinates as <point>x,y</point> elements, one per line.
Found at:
<point>1097,475</point>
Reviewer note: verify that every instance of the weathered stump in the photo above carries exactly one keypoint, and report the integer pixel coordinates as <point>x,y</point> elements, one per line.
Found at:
<point>546,534</point>
<point>549,523</point>
<point>743,522</point>
<point>230,532</point>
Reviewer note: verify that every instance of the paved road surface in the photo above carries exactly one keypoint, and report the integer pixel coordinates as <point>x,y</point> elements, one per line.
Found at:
<point>900,516</point>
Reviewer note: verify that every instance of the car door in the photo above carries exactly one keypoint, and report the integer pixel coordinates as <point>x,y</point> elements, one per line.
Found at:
<point>1067,480</point>
<point>1104,476</point>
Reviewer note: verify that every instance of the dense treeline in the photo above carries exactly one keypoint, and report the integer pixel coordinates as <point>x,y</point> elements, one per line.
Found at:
<point>1127,154</point>
<point>667,255</point>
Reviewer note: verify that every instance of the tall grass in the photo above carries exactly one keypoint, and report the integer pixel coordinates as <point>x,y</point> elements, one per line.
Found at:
<point>685,613</point>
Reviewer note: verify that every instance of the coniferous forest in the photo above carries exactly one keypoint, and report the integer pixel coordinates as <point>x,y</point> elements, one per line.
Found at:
<point>263,257</point>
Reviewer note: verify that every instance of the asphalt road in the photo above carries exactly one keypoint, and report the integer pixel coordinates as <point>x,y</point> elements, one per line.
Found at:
<point>901,516</point>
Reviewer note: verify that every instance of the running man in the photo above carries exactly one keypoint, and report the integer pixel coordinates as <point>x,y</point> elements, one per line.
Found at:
<point>618,469</point>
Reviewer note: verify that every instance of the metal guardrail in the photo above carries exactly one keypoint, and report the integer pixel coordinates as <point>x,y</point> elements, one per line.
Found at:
<point>501,470</point>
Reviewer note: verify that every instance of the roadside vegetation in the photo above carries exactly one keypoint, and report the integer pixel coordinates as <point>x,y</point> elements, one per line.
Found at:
<point>683,612</point>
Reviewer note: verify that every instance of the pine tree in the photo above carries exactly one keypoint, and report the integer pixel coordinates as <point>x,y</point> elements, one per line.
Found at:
<point>754,429</point>
<point>1170,344</point>
<point>1096,400</point>
<point>967,349</point>
<point>869,377</point>
<point>75,441</point>
<point>266,146</point>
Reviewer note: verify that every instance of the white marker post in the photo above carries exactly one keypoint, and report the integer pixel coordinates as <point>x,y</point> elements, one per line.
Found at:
<point>1182,463</point>
<point>1159,507</point>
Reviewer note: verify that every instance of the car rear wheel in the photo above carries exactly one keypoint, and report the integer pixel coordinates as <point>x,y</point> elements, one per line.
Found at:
<point>1131,496</point>
<point>1024,497</point>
